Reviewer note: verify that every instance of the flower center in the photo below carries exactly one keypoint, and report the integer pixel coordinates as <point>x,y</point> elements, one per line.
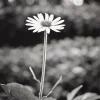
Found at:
<point>46,23</point>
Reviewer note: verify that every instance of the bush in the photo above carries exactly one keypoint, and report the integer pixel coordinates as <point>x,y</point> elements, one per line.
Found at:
<point>77,60</point>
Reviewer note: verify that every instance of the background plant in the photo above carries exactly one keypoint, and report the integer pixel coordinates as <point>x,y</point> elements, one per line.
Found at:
<point>77,60</point>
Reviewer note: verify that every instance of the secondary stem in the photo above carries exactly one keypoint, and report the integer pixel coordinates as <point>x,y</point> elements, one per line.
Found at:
<point>43,65</point>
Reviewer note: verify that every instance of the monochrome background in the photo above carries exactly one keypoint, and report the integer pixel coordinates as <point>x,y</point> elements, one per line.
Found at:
<point>73,53</point>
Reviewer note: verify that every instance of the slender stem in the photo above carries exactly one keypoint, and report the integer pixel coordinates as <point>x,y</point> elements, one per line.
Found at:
<point>43,66</point>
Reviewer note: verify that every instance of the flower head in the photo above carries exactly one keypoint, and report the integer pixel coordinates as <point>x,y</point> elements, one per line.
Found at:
<point>40,23</point>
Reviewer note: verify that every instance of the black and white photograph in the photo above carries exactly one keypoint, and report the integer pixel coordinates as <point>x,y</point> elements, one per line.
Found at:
<point>49,49</point>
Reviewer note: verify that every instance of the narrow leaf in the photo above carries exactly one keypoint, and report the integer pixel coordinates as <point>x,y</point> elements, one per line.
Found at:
<point>86,96</point>
<point>92,98</point>
<point>60,79</point>
<point>71,95</point>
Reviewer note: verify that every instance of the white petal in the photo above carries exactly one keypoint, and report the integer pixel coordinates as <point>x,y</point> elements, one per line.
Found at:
<point>40,16</point>
<point>51,17</point>
<point>60,25</point>
<point>60,28</point>
<point>46,16</point>
<point>29,24</point>
<point>59,22</point>
<point>57,27</point>
<point>47,30</point>
<point>54,29</point>
<point>31,21</point>
<point>31,28</point>
<point>36,18</point>
<point>42,29</point>
<point>35,30</point>
<point>57,19</point>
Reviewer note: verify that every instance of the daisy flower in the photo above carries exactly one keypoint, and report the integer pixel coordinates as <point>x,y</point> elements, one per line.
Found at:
<point>40,23</point>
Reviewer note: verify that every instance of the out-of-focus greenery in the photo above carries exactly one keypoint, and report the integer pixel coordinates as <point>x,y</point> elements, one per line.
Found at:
<point>85,96</point>
<point>83,20</point>
<point>78,60</point>
<point>19,91</point>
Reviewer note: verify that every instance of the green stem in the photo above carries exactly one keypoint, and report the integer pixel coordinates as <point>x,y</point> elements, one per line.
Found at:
<point>43,66</point>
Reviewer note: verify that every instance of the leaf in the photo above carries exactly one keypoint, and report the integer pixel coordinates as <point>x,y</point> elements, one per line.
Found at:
<point>78,97</point>
<point>18,92</point>
<point>59,80</point>
<point>92,98</point>
<point>87,96</point>
<point>71,95</point>
<point>6,88</point>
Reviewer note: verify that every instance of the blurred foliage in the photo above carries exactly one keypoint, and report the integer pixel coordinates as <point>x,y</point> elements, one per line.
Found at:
<point>20,92</point>
<point>80,21</point>
<point>78,60</point>
<point>85,96</point>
